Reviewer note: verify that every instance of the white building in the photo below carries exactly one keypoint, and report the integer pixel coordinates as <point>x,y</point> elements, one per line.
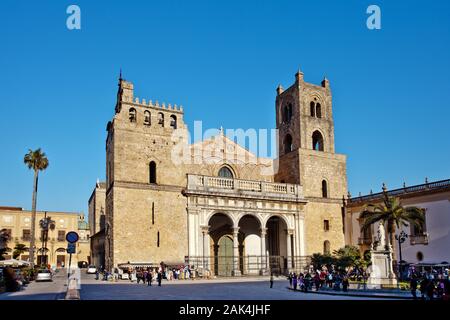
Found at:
<point>431,245</point>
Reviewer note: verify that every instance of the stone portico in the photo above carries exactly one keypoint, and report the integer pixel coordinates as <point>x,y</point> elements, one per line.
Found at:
<point>263,221</point>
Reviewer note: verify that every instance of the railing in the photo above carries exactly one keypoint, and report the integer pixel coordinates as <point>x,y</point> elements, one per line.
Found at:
<point>442,184</point>
<point>249,264</point>
<point>363,240</point>
<point>419,239</point>
<point>196,182</point>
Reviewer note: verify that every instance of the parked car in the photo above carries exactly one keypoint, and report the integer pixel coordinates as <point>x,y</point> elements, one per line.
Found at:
<point>44,275</point>
<point>125,276</point>
<point>91,270</point>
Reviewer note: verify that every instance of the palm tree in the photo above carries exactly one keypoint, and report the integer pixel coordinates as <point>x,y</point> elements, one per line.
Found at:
<point>36,160</point>
<point>393,213</point>
<point>45,223</point>
<point>19,249</point>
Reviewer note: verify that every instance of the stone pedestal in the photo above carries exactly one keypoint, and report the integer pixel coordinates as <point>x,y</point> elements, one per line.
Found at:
<point>382,271</point>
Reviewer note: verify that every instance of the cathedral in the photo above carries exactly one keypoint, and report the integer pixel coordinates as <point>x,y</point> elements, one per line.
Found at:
<point>214,204</point>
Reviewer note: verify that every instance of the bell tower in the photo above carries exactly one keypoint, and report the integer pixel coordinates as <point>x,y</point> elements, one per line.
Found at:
<point>306,156</point>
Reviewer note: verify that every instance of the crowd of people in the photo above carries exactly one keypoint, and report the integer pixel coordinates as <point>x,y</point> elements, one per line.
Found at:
<point>318,280</point>
<point>428,284</point>
<point>147,275</point>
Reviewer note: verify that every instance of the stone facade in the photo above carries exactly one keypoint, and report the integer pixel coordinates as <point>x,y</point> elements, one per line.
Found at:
<point>18,222</point>
<point>96,207</point>
<point>167,200</point>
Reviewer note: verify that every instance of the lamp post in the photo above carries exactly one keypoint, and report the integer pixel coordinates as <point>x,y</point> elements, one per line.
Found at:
<point>401,238</point>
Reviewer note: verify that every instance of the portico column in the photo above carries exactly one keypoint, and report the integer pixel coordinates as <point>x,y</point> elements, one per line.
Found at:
<point>236,271</point>
<point>263,252</point>
<point>205,233</point>
<point>289,248</point>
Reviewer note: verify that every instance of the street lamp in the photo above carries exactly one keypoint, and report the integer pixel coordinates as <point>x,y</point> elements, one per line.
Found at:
<point>401,238</point>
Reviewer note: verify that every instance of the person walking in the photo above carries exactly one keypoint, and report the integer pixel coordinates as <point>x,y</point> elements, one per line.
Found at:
<point>149,279</point>
<point>271,280</point>
<point>345,283</point>
<point>290,280</point>
<point>413,285</point>
<point>294,281</point>
<point>159,279</point>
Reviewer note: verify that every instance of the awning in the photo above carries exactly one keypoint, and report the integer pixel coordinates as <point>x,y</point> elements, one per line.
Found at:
<point>14,263</point>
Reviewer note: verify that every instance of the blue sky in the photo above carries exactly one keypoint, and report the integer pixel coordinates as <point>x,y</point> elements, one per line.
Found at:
<point>221,60</point>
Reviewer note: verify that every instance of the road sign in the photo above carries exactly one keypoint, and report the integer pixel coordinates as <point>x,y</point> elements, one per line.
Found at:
<point>72,237</point>
<point>71,248</point>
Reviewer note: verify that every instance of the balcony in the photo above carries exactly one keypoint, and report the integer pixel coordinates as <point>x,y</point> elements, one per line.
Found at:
<point>364,241</point>
<point>418,239</point>
<point>243,188</point>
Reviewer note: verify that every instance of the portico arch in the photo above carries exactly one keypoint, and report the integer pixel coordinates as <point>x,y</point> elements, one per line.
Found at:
<point>250,244</point>
<point>221,235</point>
<point>279,244</point>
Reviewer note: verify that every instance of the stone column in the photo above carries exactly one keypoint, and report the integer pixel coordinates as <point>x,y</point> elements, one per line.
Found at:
<point>205,233</point>
<point>289,233</point>
<point>236,271</point>
<point>263,270</point>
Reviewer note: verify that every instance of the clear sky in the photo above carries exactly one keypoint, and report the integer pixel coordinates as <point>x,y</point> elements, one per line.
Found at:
<point>222,60</point>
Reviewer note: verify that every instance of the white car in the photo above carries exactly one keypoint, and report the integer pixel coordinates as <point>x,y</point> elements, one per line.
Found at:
<point>44,275</point>
<point>91,270</point>
<point>125,276</point>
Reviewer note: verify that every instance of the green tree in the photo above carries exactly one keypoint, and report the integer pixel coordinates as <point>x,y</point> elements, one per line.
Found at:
<point>36,160</point>
<point>348,256</point>
<point>393,213</point>
<point>19,249</point>
<point>319,260</point>
<point>5,237</point>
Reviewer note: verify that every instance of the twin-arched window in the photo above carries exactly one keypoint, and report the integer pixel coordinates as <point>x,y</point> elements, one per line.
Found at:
<point>287,113</point>
<point>315,109</point>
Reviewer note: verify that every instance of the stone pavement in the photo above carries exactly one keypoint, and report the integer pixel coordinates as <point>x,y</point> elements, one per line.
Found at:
<point>382,294</point>
<point>41,290</point>
<point>256,288</point>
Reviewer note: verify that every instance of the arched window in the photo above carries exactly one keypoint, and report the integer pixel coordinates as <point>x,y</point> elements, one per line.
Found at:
<point>132,114</point>
<point>289,112</point>
<point>288,144</point>
<point>225,172</point>
<point>161,119</point>
<point>173,121</point>
<point>324,189</point>
<point>147,118</point>
<point>318,111</point>
<point>152,169</point>
<point>317,141</point>
<point>326,247</point>
<point>313,108</point>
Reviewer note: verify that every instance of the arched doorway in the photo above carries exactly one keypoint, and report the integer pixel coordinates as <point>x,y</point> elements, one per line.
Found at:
<point>250,245</point>
<point>277,244</point>
<point>221,244</point>
<point>225,256</point>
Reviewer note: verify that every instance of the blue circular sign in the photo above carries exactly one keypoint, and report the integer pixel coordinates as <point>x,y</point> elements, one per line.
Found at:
<point>72,237</point>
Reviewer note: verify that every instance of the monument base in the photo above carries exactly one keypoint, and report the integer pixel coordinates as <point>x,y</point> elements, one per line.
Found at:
<point>379,283</point>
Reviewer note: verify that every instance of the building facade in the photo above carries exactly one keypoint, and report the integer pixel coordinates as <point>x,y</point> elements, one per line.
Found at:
<point>18,224</point>
<point>214,204</point>
<point>425,245</point>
